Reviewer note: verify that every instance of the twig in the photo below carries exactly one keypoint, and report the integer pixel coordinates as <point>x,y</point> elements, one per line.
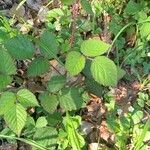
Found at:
<point>75,10</point>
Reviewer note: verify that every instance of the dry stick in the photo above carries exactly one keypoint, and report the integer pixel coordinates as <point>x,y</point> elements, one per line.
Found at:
<point>106,36</point>
<point>56,70</point>
<point>75,10</point>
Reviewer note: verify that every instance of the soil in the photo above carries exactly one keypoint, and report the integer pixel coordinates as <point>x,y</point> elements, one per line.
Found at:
<point>18,146</point>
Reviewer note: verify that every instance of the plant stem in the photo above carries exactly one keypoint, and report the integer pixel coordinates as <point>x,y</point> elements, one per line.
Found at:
<point>28,141</point>
<point>119,33</point>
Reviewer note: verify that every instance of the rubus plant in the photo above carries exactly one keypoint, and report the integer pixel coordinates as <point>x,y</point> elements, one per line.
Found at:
<point>16,103</point>
<point>48,119</point>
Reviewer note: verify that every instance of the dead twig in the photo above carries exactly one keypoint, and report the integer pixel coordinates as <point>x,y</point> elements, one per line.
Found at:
<point>75,12</point>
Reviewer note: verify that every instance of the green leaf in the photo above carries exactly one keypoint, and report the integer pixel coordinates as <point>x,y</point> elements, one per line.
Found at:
<point>75,139</point>
<point>7,101</point>
<point>71,99</point>
<point>93,47</point>
<point>4,81</point>
<point>54,13</point>
<point>30,124</point>
<point>120,73</point>
<point>54,119</point>
<point>75,62</point>
<point>112,123</point>
<point>16,118</point>
<point>145,30</point>
<point>140,102</point>
<point>26,98</point>
<point>3,35</point>
<point>38,67</point>
<point>7,66</point>
<point>132,7</point>
<point>87,6</point>
<point>56,83</point>
<point>67,2</point>
<point>49,102</point>
<point>48,44</point>
<point>124,123</point>
<point>93,87</point>
<point>62,144</point>
<point>137,116</point>
<point>47,137</point>
<point>41,122</point>
<point>104,71</point>
<point>20,47</point>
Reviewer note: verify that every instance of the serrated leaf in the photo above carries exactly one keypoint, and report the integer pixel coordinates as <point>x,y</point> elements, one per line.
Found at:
<point>38,67</point>
<point>48,44</point>
<point>56,83</point>
<point>7,66</point>
<point>16,118</point>
<point>20,47</point>
<point>7,101</point>
<point>26,98</point>
<point>93,47</point>
<point>71,99</point>
<point>4,81</point>
<point>87,6</point>
<point>104,71</point>
<point>75,62</point>
<point>41,122</point>
<point>47,137</point>
<point>49,102</point>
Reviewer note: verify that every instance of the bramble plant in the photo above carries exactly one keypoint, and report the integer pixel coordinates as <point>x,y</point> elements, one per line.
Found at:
<point>46,116</point>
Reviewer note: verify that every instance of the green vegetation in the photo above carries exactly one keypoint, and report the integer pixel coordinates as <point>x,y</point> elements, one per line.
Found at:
<point>73,53</point>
